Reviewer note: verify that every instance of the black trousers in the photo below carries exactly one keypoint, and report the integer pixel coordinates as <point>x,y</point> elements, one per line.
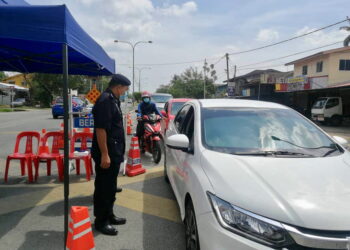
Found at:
<point>105,189</point>
<point>140,129</point>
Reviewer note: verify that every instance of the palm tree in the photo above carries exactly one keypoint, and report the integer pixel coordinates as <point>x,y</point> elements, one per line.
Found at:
<point>347,40</point>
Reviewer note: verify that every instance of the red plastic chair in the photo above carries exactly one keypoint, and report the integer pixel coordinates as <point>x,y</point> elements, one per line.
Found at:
<point>83,138</point>
<point>49,155</point>
<point>26,157</point>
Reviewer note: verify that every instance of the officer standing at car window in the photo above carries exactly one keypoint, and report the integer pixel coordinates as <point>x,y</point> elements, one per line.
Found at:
<point>108,148</point>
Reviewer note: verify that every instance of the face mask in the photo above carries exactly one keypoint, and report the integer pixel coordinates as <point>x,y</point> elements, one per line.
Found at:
<point>146,100</point>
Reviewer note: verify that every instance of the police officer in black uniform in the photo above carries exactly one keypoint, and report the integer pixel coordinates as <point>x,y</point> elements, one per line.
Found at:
<point>108,148</point>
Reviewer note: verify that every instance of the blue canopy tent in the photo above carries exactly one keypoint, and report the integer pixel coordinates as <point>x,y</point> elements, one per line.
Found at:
<point>47,39</point>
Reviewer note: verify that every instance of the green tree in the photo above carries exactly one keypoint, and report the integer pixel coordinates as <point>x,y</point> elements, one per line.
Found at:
<point>137,96</point>
<point>190,83</point>
<point>163,89</point>
<point>2,75</point>
<point>44,87</point>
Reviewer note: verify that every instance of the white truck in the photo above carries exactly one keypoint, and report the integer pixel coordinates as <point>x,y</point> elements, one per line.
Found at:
<point>330,110</point>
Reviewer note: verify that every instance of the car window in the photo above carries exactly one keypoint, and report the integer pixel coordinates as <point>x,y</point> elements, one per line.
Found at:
<point>188,126</point>
<point>231,130</point>
<point>160,98</point>
<point>176,107</point>
<point>59,100</point>
<point>179,119</point>
<point>320,103</point>
<point>332,103</point>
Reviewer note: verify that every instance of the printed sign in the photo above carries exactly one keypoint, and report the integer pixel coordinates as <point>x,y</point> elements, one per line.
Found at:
<point>80,122</point>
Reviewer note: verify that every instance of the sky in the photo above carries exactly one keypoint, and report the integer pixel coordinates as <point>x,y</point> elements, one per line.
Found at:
<point>189,31</point>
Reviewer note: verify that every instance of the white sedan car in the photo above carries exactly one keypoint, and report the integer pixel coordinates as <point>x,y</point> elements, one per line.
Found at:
<point>257,175</point>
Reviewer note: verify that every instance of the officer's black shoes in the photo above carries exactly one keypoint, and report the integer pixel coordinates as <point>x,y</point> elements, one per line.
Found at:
<point>119,189</point>
<point>106,229</point>
<point>114,220</point>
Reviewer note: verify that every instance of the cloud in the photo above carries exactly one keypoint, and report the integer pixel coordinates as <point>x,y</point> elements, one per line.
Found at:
<point>134,8</point>
<point>267,35</point>
<point>322,37</point>
<point>179,10</point>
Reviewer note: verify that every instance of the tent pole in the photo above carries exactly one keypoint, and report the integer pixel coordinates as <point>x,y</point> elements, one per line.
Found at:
<point>66,139</point>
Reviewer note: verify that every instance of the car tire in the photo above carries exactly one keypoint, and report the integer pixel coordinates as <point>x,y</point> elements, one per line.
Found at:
<point>166,178</point>
<point>54,116</point>
<point>191,229</point>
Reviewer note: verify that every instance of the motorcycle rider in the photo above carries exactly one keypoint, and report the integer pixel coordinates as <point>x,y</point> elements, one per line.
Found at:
<point>146,107</point>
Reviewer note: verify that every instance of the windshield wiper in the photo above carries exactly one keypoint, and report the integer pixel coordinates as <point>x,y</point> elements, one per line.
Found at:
<point>332,146</point>
<point>330,152</point>
<point>271,152</point>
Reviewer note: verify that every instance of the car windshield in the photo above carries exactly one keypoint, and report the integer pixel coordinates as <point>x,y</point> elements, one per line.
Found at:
<point>175,107</point>
<point>59,101</point>
<point>161,98</point>
<point>264,132</point>
<point>320,103</point>
<point>78,101</point>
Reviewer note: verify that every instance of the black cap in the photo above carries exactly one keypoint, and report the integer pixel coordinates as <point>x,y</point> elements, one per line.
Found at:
<point>118,79</point>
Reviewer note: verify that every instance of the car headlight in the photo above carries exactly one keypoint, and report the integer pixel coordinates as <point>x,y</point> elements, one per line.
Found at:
<point>249,225</point>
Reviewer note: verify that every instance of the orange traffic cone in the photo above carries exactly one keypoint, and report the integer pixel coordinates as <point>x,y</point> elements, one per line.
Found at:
<point>79,236</point>
<point>129,119</point>
<point>134,166</point>
<point>129,129</point>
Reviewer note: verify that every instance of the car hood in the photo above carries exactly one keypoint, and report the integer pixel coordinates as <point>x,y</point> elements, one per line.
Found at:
<point>307,192</point>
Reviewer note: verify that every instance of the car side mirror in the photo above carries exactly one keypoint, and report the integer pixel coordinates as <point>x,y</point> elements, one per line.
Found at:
<point>178,142</point>
<point>163,113</point>
<point>341,141</point>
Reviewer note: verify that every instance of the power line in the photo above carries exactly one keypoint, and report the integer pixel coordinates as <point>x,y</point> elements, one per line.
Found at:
<point>289,39</point>
<point>219,60</point>
<point>286,56</point>
<point>244,51</point>
<point>179,63</point>
<point>261,67</point>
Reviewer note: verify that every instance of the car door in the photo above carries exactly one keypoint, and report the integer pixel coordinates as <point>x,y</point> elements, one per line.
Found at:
<point>184,160</point>
<point>172,154</point>
<point>165,120</point>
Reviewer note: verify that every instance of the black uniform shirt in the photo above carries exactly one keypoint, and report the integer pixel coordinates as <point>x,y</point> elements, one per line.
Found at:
<point>108,115</point>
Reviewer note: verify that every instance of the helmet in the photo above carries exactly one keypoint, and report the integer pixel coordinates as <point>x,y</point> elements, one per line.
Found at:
<point>146,94</point>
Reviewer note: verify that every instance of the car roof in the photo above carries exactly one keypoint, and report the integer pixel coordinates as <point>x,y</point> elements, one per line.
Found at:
<point>239,103</point>
<point>180,100</point>
<point>161,94</point>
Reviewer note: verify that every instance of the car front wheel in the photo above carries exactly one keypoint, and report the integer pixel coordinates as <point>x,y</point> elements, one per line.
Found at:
<point>192,240</point>
<point>166,178</point>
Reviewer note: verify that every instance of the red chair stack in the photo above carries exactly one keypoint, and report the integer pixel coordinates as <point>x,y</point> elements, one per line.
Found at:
<point>49,155</point>
<point>25,158</point>
<point>83,138</point>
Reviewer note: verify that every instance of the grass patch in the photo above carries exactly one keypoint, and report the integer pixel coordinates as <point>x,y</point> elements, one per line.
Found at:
<point>10,110</point>
<point>5,110</point>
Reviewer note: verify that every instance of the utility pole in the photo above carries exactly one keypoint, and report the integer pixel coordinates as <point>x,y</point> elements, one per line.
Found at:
<point>227,68</point>
<point>234,77</point>
<point>205,77</point>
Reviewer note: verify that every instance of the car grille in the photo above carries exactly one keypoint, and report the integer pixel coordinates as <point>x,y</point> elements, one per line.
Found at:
<point>307,239</point>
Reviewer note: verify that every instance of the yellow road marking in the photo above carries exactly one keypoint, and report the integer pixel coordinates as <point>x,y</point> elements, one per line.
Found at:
<point>131,199</point>
<point>122,180</point>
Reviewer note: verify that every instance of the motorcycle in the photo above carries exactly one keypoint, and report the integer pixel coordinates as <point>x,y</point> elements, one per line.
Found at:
<point>151,141</point>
